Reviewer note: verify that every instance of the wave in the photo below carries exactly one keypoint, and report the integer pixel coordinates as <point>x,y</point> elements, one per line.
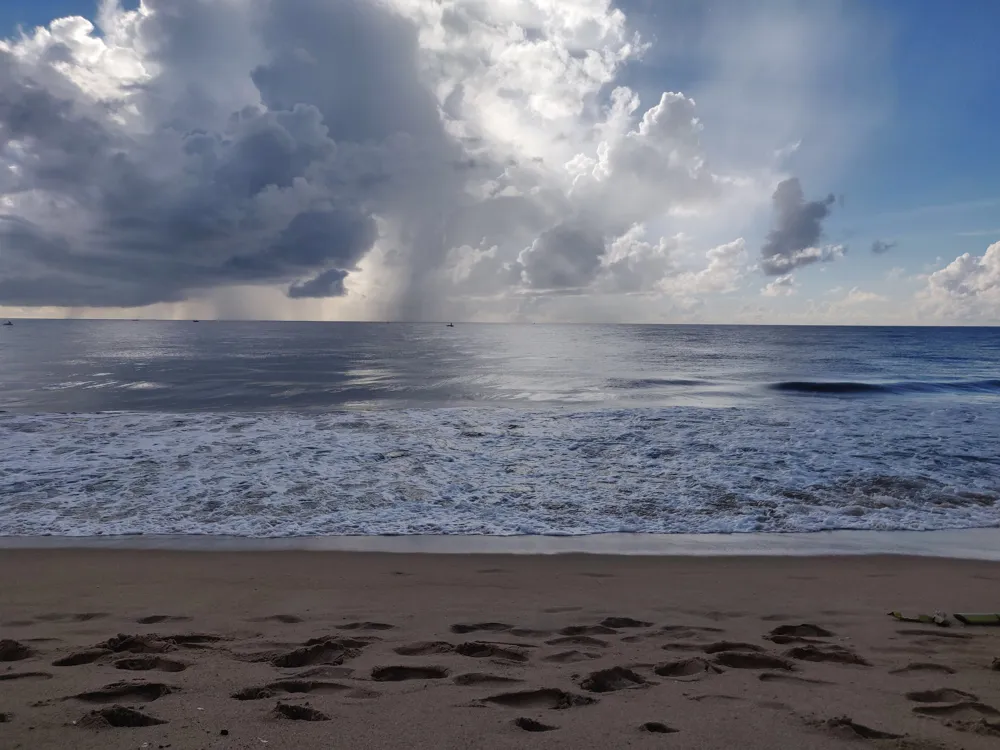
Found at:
<point>656,383</point>
<point>901,387</point>
<point>502,472</point>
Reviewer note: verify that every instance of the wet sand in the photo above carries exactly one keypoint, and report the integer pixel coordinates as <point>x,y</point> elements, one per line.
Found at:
<point>120,648</point>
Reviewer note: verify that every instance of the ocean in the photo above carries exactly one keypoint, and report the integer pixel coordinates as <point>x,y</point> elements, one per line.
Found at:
<point>299,429</point>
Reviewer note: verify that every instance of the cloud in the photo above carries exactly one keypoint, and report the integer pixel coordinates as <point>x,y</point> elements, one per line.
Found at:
<point>881,246</point>
<point>967,289</point>
<point>402,157</point>
<point>896,273</point>
<point>798,227</point>
<point>327,284</point>
<point>227,160</point>
<point>782,286</point>
<point>858,296</point>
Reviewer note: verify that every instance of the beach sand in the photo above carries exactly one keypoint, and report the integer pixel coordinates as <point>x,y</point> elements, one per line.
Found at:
<point>274,650</point>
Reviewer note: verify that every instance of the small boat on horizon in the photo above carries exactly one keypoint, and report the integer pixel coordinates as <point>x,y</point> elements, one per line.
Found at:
<point>8,323</point>
<point>450,325</point>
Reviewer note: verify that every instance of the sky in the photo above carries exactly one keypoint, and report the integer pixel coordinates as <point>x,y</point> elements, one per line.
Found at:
<point>649,161</point>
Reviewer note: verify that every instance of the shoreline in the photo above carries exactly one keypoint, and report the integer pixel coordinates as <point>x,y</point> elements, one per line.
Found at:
<point>964,544</point>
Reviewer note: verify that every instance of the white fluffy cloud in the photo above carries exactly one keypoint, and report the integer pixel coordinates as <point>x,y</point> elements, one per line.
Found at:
<point>782,286</point>
<point>966,289</point>
<point>413,157</point>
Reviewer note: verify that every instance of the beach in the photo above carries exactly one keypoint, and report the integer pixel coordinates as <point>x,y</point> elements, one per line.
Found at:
<point>293,649</point>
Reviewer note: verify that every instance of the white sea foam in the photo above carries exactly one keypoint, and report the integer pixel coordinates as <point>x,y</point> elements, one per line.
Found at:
<point>502,471</point>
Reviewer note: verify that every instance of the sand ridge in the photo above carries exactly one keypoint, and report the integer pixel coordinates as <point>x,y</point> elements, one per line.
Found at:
<point>271,651</point>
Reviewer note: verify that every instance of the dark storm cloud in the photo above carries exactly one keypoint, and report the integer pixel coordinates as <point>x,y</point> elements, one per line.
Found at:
<point>327,284</point>
<point>563,257</point>
<point>881,246</point>
<point>211,191</point>
<point>798,227</point>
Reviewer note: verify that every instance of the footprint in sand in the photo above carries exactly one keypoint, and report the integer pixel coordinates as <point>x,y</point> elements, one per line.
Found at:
<point>611,680</point>
<point>400,673</point>
<point>11,676</point>
<point>140,692</point>
<point>82,657</point>
<point>784,677</point>
<point>155,619</point>
<point>14,651</point>
<point>752,660</point>
<point>693,668</point>
<point>624,622</point>
<point>483,650</point>
<point>714,648</point>
<point>531,633</point>
<point>923,666</point>
<point>532,725</point>
<point>310,686</point>
<point>324,672</point>
<point>136,644</point>
<point>587,630</point>
<point>571,657</point>
<point>577,640</point>
<point>296,687</point>
<point>370,626</point>
<point>481,678</point>
<point>424,648</point>
<point>941,695</point>
<point>150,663</point>
<point>119,717</point>
<point>474,627</point>
<point>803,630</point>
<point>961,710</point>
<point>657,727</point>
<point>803,633</point>
<point>827,653</point>
<point>548,698</point>
<point>297,712</point>
<point>847,727</point>
<point>679,645</point>
<point>252,694</point>
<point>319,651</point>
<point>284,619</point>
<point>687,631</point>
<point>156,644</point>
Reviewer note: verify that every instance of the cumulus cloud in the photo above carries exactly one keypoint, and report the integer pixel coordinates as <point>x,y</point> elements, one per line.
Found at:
<point>420,153</point>
<point>857,296</point>
<point>798,227</point>
<point>968,288</point>
<point>205,159</point>
<point>782,286</point>
<point>882,246</point>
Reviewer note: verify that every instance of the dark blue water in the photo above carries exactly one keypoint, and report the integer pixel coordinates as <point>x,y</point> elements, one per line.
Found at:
<point>286,429</point>
<point>88,366</point>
